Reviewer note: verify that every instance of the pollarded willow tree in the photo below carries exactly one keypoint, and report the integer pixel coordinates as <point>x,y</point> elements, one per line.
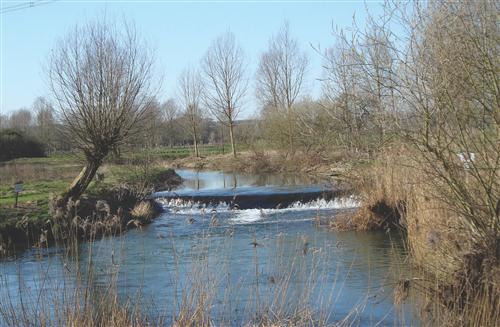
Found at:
<point>224,69</point>
<point>280,77</point>
<point>190,95</point>
<point>101,76</point>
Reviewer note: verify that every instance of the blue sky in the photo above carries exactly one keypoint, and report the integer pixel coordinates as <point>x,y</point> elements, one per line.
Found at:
<point>180,31</point>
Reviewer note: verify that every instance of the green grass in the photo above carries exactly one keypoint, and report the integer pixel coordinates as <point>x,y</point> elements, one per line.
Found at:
<point>36,214</point>
<point>56,159</point>
<point>40,176</point>
<point>32,191</point>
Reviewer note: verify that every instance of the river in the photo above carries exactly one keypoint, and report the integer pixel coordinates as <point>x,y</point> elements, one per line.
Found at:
<point>236,264</point>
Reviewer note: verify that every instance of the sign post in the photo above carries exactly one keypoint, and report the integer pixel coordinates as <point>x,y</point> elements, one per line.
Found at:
<point>18,187</point>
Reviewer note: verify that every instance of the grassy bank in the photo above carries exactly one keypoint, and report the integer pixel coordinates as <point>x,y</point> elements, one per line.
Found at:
<point>123,185</point>
<point>42,176</point>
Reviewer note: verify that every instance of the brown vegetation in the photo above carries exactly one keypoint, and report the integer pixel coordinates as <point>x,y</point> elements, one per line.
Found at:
<point>269,161</point>
<point>459,275</point>
<point>438,176</point>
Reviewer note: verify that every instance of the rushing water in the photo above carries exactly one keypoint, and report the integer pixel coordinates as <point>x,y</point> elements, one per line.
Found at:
<point>236,264</point>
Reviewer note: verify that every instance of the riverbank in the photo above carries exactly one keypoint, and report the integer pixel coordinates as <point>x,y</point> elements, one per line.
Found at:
<point>116,201</point>
<point>451,234</point>
<point>331,167</point>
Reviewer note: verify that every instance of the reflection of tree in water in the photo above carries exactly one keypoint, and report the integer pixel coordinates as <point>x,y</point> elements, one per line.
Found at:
<point>279,179</point>
<point>209,179</point>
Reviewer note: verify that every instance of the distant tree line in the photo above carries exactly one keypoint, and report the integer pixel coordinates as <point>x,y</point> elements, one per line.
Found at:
<point>165,125</point>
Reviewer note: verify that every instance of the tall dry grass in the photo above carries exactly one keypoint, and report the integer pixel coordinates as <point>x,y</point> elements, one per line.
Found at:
<point>459,275</point>
<point>32,172</point>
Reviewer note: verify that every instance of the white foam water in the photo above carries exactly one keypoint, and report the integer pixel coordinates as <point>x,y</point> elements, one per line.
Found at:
<point>182,207</point>
<point>337,203</point>
<point>246,216</point>
<point>254,215</point>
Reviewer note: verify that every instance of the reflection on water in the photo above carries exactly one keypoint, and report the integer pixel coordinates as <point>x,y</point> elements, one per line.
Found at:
<point>209,180</point>
<point>238,261</point>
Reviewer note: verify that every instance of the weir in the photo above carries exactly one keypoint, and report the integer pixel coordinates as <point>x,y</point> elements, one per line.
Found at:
<point>255,197</point>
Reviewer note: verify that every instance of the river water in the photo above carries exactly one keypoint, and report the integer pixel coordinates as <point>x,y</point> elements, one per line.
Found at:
<point>235,265</point>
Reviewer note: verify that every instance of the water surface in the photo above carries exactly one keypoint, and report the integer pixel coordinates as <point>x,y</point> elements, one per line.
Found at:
<point>242,263</point>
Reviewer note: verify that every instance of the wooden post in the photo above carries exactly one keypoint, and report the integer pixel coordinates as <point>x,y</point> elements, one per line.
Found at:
<point>18,187</point>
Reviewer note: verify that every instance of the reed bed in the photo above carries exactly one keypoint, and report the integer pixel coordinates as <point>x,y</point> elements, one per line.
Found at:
<point>455,254</point>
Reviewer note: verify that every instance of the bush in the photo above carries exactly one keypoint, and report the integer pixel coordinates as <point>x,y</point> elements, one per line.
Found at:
<point>16,144</point>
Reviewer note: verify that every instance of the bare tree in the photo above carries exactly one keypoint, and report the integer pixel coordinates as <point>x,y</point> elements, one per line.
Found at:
<point>4,121</point>
<point>170,111</point>
<point>21,119</point>
<point>447,83</point>
<point>359,80</point>
<point>100,74</point>
<point>450,85</point>
<point>341,88</point>
<point>375,57</point>
<point>190,95</point>
<point>45,121</point>
<point>150,126</point>
<point>280,76</point>
<point>224,70</point>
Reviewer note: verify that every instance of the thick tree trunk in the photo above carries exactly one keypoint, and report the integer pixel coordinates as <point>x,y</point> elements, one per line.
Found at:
<point>233,147</point>
<point>82,181</point>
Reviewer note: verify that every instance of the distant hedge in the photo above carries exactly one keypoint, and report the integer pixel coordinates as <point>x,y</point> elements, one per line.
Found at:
<point>16,144</point>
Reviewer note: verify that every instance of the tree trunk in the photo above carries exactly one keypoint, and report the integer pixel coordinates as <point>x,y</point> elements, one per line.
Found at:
<point>82,181</point>
<point>290,138</point>
<point>195,143</point>
<point>291,144</point>
<point>233,148</point>
<point>222,138</point>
